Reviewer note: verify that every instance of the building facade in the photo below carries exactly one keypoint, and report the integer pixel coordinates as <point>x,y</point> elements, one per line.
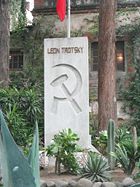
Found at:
<point>84,22</point>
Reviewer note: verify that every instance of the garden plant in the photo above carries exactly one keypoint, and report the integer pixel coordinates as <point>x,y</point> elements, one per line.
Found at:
<point>63,148</point>
<point>96,168</point>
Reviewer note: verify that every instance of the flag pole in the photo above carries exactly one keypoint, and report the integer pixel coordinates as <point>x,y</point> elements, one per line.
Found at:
<point>68,21</point>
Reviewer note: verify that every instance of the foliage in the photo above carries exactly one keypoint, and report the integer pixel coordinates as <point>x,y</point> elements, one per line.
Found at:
<point>127,148</point>
<point>124,146</point>
<point>63,148</point>
<point>17,125</point>
<point>22,108</point>
<point>123,135</point>
<point>100,142</point>
<point>30,84</point>
<point>126,152</point>
<point>93,117</point>
<point>127,155</point>
<point>131,92</point>
<point>28,78</point>
<point>137,174</point>
<point>122,157</point>
<point>17,12</point>
<point>96,168</point>
<point>30,40</point>
<point>95,24</point>
<point>131,97</point>
<point>93,126</point>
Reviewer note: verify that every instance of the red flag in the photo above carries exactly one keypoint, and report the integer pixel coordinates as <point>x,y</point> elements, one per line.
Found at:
<point>61,9</point>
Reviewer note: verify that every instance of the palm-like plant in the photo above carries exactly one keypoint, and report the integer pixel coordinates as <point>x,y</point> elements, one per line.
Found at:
<point>122,157</point>
<point>127,156</point>
<point>96,168</point>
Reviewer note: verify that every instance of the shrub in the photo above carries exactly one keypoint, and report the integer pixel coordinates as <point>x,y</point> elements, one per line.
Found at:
<point>22,108</point>
<point>123,135</point>
<point>63,148</point>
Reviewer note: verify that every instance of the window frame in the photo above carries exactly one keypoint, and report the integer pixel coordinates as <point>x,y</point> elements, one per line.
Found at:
<point>19,58</point>
<point>92,69</point>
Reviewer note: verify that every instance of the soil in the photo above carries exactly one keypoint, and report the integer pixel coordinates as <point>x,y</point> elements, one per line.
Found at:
<point>117,175</point>
<point>53,177</point>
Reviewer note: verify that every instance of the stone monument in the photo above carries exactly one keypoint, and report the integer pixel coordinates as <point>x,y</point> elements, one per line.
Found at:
<point>66,87</point>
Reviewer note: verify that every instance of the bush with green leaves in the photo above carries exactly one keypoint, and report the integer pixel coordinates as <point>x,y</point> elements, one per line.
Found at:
<point>22,108</point>
<point>126,150</point>
<point>63,148</point>
<point>123,134</point>
<point>96,168</point>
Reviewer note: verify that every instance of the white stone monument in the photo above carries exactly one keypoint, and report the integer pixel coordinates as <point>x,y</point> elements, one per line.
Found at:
<point>66,87</point>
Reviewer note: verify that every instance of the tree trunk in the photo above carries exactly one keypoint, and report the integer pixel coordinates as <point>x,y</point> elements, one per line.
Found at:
<point>4,42</point>
<point>107,66</point>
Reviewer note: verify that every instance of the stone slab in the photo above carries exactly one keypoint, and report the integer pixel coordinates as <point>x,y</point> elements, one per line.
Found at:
<point>66,87</point>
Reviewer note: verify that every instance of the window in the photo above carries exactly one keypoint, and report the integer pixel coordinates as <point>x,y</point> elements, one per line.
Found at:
<point>16,60</point>
<point>120,59</point>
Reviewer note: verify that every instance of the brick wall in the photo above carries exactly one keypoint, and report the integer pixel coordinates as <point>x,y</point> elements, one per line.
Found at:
<point>38,4</point>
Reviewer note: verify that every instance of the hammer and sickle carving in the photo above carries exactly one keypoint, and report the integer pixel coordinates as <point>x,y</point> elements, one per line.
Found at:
<point>69,95</point>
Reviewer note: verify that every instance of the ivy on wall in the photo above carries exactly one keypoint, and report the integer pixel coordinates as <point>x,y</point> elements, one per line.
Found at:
<point>17,14</point>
